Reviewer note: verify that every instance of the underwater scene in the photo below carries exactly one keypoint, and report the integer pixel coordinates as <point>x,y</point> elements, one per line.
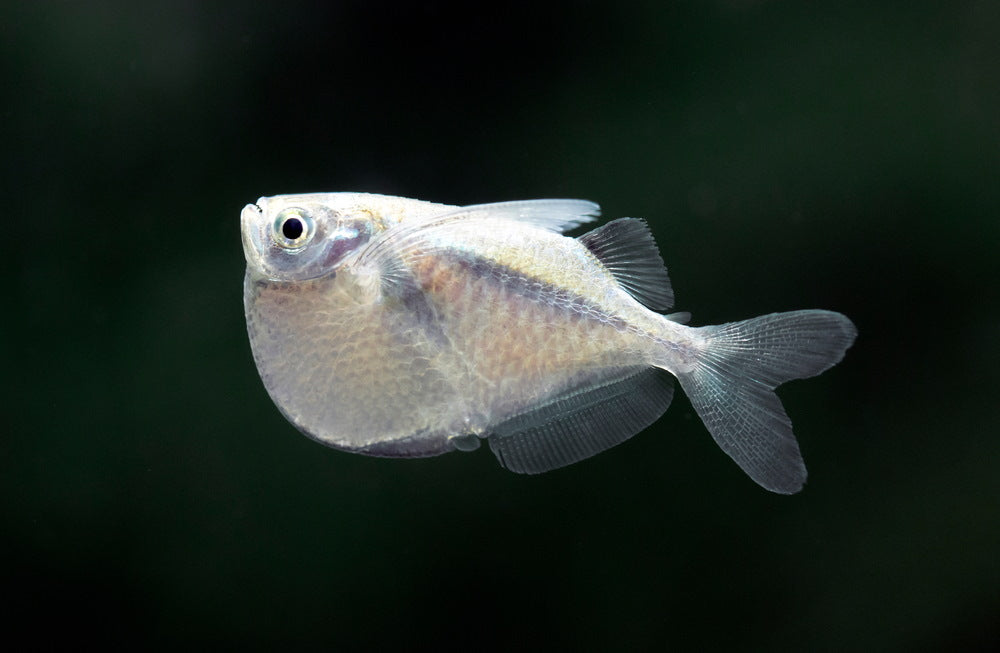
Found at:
<point>378,325</point>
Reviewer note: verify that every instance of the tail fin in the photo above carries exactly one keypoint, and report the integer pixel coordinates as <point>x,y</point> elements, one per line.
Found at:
<point>732,387</point>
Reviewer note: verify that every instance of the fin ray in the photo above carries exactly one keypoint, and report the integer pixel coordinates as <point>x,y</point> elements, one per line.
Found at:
<point>732,387</point>
<point>627,249</point>
<point>557,215</point>
<point>576,426</point>
<point>382,258</point>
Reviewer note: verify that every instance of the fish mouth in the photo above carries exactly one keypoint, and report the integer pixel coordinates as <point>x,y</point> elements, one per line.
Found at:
<point>250,232</point>
<point>255,231</point>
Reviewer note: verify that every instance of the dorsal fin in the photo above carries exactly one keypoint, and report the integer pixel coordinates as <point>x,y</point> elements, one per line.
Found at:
<point>580,424</point>
<point>627,249</point>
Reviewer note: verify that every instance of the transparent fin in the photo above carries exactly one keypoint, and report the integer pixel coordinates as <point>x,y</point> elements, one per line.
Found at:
<point>552,215</point>
<point>732,387</point>
<point>380,263</point>
<point>558,215</point>
<point>627,249</point>
<point>579,425</point>
<point>683,317</point>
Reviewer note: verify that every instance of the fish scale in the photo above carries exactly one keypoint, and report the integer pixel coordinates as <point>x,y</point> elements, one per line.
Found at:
<point>360,360</point>
<point>538,346</point>
<point>396,327</point>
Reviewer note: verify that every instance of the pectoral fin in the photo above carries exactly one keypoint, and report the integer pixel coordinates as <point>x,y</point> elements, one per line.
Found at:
<point>578,425</point>
<point>381,264</point>
<point>552,215</point>
<point>558,215</point>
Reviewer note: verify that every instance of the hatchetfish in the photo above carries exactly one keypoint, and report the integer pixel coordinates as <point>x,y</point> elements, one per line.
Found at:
<point>395,327</point>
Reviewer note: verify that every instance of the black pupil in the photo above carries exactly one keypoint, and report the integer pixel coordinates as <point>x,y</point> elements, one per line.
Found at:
<point>292,228</point>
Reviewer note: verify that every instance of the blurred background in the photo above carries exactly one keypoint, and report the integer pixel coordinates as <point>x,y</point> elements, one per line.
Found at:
<point>787,155</point>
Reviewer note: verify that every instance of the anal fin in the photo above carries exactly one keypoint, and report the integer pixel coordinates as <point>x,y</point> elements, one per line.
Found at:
<point>580,424</point>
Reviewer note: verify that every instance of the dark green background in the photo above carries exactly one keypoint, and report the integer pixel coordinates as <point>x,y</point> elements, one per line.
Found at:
<point>788,155</point>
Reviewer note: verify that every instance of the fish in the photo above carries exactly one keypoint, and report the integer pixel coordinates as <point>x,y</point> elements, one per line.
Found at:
<point>398,327</point>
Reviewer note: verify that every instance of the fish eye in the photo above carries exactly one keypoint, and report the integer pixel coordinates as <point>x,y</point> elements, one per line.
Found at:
<point>292,228</point>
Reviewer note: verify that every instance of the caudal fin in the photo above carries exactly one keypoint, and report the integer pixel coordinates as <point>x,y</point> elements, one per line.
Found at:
<point>732,386</point>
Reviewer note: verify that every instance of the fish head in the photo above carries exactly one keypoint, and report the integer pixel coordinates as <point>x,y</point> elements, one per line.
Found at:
<point>301,237</point>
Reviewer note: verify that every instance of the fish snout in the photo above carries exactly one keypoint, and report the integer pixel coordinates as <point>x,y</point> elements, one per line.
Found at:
<point>250,219</point>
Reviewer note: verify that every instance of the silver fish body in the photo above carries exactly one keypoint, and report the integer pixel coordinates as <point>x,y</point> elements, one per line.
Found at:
<point>396,327</point>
